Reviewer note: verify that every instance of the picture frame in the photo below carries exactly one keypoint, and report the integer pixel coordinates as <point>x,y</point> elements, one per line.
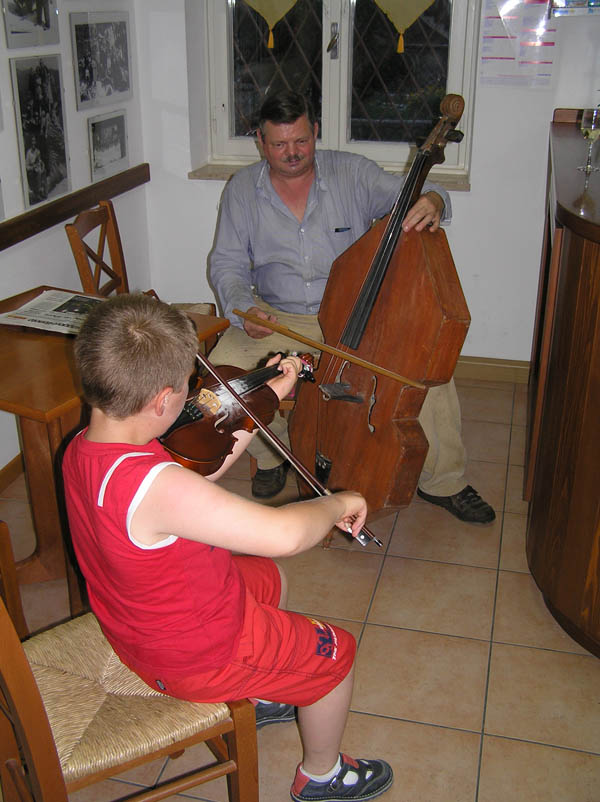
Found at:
<point>43,151</point>
<point>109,151</point>
<point>101,57</point>
<point>30,23</point>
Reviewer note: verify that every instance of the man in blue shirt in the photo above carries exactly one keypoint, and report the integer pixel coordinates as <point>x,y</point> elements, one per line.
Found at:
<point>283,221</point>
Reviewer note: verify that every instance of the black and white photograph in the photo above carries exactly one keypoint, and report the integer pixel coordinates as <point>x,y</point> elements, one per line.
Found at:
<point>30,23</point>
<point>108,144</point>
<point>38,92</point>
<point>101,58</point>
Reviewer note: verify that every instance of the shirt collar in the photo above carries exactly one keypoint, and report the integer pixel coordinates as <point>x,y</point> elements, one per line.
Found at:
<point>263,182</point>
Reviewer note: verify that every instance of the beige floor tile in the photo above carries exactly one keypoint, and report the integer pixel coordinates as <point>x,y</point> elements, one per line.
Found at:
<point>432,679</point>
<point>520,407</point>
<point>514,771</point>
<point>516,454</point>
<point>192,759</point>
<point>17,515</point>
<point>514,491</point>
<point>544,696</point>
<point>430,533</point>
<point>430,764</point>
<point>17,490</point>
<point>435,597</point>
<point>485,404</point>
<point>337,583</point>
<point>512,554</point>
<point>45,603</point>
<point>105,791</point>
<point>486,441</point>
<point>523,618</point>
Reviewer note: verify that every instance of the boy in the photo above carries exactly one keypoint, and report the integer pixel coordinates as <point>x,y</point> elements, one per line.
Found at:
<point>155,540</point>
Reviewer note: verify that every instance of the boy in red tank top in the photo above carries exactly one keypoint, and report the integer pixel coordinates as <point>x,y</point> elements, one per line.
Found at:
<point>154,541</point>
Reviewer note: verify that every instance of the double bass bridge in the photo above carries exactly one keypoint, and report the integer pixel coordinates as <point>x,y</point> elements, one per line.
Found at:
<point>339,390</point>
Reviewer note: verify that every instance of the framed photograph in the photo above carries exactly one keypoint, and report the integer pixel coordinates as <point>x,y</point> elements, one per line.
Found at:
<point>101,58</point>
<point>43,153</point>
<point>30,23</point>
<point>107,135</point>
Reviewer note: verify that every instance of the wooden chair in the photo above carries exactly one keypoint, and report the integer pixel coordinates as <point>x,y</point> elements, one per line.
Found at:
<point>91,263</point>
<point>71,715</point>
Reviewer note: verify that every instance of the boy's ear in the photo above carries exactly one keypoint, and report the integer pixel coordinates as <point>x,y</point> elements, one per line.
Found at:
<point>160,400</point>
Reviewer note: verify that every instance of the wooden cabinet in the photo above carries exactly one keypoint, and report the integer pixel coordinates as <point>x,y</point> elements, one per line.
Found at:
<point>562,481</point>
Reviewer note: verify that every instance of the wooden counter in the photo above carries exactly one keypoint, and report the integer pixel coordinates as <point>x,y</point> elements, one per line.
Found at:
<point>563,448</point>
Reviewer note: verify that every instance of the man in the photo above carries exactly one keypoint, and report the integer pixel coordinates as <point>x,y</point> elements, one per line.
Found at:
<point>283,222</point>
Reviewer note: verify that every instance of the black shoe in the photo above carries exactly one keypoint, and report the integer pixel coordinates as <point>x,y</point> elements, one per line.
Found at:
<point>467,505</point>
<point>272,712</point>
<point>373,778</point>
<point>266,484</point>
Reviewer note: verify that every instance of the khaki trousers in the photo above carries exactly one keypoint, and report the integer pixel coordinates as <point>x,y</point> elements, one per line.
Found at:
<point>444,468</point>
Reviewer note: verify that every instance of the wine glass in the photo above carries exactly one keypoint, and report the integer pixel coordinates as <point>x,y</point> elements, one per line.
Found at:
<point>590,128</point>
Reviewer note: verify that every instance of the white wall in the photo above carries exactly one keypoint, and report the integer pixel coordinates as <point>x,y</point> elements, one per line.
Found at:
<point>168,225</point>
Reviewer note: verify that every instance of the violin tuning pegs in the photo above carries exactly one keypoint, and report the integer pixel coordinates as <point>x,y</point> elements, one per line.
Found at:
<point>455,136</point>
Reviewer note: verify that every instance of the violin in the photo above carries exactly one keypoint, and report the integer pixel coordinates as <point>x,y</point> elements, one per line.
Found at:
<point>202,436</point>
<point>364,537</point>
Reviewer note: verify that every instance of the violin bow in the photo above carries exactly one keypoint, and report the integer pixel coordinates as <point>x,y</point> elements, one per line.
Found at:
<point>329,349</point>
<point>365,535</point>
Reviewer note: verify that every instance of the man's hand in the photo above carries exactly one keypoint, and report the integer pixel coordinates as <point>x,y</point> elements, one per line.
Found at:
<point>253,329</point>
<point>426,213</point>
<point>290,368</point>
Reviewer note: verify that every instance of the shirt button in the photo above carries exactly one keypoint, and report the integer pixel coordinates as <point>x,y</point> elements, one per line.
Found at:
<point>308,283</point>
<point>302,231</point>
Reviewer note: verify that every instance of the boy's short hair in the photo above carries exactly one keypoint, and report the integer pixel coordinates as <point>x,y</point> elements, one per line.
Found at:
<point>131,347</point>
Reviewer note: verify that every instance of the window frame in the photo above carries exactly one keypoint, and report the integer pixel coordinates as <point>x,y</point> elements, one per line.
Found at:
<point>462,76</point>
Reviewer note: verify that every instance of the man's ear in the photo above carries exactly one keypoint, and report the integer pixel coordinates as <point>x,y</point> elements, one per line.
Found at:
<point>316,130</point>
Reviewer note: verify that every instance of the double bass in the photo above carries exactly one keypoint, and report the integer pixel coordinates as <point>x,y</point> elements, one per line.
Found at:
<point>393,299</point>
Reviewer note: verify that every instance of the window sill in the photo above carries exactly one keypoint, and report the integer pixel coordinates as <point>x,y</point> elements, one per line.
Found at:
<point>222,171</point>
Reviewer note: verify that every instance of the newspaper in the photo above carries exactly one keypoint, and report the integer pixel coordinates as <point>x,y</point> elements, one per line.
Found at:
<point>52,310</point>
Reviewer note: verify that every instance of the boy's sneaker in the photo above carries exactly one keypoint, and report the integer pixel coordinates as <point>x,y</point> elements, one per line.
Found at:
<point>364,779</point>
<point>272,712</point>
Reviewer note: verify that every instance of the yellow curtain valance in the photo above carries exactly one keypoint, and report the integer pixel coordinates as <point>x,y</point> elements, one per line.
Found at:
<point>271,11</point>
<point>402,13</point>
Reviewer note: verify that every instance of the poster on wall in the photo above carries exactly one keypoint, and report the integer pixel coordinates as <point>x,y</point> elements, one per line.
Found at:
<point>30,23</point>
<point>107,135</point>
<point>38,92</point>
<point>101,58</point>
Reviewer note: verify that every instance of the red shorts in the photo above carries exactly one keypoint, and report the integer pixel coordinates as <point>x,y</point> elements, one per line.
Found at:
<point>282,656</point>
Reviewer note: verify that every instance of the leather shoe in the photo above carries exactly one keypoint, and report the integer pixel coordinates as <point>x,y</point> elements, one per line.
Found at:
<point>467,505</point>
<point>266,484</point>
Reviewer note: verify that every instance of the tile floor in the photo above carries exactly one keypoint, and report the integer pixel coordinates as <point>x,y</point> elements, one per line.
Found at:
<point>464,683</point>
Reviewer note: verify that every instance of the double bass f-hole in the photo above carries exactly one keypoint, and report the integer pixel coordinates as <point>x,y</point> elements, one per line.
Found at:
<point>372,401</point>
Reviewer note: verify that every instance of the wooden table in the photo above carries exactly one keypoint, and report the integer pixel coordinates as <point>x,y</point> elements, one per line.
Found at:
<point>38,384</point>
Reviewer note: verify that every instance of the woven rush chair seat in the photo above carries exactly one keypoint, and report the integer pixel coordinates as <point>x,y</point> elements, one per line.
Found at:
<point>71,715</point>
<point>102,714</point>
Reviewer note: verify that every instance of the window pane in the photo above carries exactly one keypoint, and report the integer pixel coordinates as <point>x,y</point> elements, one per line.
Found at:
<point>396,96</point>
<point>294,61</point>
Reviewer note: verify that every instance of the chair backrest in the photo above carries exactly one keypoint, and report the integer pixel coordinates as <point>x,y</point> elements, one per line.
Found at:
<point>91,264</point>
<point>25,732</point>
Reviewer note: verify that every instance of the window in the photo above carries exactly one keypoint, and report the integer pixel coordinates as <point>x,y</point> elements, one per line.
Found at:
<point>375,92</point>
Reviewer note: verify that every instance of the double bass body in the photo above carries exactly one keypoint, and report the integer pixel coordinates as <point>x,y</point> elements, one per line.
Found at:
<point>360,430</point>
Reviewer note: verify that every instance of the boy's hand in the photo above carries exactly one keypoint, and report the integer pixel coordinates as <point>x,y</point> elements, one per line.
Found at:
<point>355,516</point>
<point>290,368</point>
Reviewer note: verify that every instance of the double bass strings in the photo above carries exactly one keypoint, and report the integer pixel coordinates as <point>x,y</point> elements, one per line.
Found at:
<point>357,321</point>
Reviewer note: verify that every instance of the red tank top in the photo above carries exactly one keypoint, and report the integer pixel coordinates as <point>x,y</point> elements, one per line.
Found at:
<point>174,608</point>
